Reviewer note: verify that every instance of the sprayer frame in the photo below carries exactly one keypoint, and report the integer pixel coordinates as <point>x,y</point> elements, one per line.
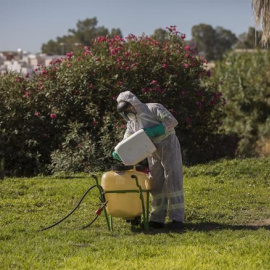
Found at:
<point>145,208</point>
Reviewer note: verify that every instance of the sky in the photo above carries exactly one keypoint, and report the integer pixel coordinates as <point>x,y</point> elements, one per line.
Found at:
<point>27,24</point>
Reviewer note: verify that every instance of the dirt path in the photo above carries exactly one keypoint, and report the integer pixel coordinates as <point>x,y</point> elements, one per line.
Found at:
<point>263,222</point>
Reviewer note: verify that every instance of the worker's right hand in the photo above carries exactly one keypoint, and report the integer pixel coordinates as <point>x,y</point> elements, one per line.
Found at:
<point>116,156</point>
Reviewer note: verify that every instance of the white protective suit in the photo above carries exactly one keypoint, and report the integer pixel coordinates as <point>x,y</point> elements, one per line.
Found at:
<point>165,164</point>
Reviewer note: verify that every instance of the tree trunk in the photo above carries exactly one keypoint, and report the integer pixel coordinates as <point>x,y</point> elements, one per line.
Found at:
<point>261,11</point>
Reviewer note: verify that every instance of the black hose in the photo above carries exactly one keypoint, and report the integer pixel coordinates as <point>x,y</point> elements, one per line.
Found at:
<point>101,193</point>
<point>89,224</point>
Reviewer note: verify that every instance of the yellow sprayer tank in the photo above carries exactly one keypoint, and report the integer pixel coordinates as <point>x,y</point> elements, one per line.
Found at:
<point>118,184</point>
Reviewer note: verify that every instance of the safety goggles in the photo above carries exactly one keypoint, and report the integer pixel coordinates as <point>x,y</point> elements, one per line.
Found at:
<point>126,110</point>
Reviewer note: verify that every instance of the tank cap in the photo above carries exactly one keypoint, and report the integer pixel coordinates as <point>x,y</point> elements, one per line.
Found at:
<point>121,168</point>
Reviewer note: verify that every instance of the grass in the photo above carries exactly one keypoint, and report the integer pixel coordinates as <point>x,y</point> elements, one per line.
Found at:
<point>227,224</point>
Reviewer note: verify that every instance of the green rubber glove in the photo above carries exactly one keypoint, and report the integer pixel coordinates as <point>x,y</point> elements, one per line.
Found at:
<point>116,156</point>
<point>155,131</point>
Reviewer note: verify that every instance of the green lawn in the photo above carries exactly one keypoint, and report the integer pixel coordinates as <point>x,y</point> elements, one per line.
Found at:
<point>227,224</point>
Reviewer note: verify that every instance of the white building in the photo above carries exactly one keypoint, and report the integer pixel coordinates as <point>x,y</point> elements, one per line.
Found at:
<point>23,62</point>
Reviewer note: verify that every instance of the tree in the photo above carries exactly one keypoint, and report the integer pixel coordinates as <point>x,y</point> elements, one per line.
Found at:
<point>160,34</point>
<point>204,37</point>
<point>61,46</point>
<point>249,40</point>
<point>261,10</point>
<point>225,40</point>
<point>85,32</point>
<point>212,43</point>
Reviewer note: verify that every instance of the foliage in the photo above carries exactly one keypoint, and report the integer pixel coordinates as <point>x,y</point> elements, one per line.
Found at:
<point>69,106</point>
<point>227,224</point>
<point>85,32</point>
<point>77,152</point>
<point>213,43</point>
<point>23,135</point>
<point>246,87</point>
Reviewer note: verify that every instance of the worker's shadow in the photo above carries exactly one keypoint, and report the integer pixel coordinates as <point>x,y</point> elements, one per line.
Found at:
<point>199,227</point>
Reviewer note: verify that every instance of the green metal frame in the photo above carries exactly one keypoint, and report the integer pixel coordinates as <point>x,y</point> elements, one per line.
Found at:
<point>145,208</point>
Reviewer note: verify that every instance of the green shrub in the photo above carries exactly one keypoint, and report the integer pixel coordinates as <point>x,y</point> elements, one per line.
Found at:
<point>66,113</point>
<point>246,87</point>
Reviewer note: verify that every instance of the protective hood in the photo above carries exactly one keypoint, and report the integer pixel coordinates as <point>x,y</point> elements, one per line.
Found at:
<point>147,115</point>
<point>132,99</point>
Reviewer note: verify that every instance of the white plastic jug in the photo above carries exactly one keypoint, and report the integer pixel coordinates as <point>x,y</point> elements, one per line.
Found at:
<point>135,148</point>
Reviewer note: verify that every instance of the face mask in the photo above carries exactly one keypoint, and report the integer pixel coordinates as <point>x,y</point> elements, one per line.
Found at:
<point>131,116</point>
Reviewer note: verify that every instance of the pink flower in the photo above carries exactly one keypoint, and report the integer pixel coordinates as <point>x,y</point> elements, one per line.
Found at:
<point>199,104</point>
<point>188,120</point>
<point>183,93</point>
<point>165,66</point>
<point>187,48</point>
<point>186,65</point>
<point>37,114</point>
<point>223,101</point>
<point>57,61</point>
<point>144,90</point>
<point>173,112</point>
<point>154,82</point>
<point>101,39</point>
<point>183,36</point>
<point>200,93</point>
<point>52,115</point>
<point>27,94</point>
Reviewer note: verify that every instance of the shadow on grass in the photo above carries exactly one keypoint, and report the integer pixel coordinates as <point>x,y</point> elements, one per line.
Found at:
<point>200,227</point>
<point>218,227</point>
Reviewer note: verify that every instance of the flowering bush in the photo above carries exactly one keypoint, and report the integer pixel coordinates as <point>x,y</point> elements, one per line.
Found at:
<point>80,91</point>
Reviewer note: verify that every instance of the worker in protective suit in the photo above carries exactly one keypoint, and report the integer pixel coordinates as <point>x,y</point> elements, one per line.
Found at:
<point>165,164</point>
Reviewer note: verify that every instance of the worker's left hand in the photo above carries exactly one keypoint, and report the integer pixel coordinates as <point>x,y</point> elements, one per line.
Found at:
<point>155,131</point>
<point>116,156</point>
